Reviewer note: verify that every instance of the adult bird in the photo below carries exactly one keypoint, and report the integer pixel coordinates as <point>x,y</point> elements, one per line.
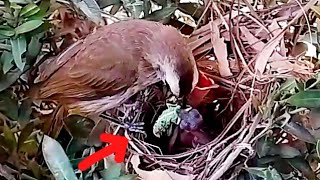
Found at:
<point>103,70</point>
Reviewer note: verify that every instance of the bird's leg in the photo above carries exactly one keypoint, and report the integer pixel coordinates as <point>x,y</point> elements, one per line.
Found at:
<point>131,116</point>
<point>127,118</point>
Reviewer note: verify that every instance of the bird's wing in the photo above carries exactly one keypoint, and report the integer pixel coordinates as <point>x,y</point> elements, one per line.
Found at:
<point>100,68</point>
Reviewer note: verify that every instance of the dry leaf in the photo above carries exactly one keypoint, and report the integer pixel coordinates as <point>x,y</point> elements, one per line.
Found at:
<point>287,66</point>
<point>157,174</point>
<point>267,51</point>
<point>220,49</point>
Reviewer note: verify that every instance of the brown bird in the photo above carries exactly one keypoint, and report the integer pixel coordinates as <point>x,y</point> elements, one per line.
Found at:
<point>106,68</point>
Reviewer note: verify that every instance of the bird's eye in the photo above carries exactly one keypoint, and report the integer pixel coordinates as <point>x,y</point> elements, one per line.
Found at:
<point>196,115</point>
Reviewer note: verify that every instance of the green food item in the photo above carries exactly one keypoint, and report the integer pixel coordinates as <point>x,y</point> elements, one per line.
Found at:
<point>165,120</point>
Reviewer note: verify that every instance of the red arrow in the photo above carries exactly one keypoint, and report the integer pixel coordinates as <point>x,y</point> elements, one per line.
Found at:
<point>118,146</point>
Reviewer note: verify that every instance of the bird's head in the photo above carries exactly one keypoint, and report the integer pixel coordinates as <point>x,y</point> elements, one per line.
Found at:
<point>176,63</point>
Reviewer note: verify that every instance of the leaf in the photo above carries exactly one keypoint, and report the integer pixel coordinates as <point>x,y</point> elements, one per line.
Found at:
<point>157,174</point>
<point>115,8</point>
<point>19,1</point>
<point>318,148</point>
<point>8,79</point>
<point>103,3</point>
<point>135,7</point>
<point>28,26</point>
<point>6,47</point>
<point>316,9</point>
<point>29,10</point>
<point>75,162</point>
<point>128,177</point>
<point>34,47</point>
<point>6,31</point>
<point>29,147</point>
<point>303,166</point>
<point>193,9</point>
<point>265,173</point>
<point>19,46</point>
<point>91,9</point>
<point>264,145</point>
<point>35,168</point>
<point>9,137</point>
<point>97,130</point>
<point>307,99</point>
<point>57,160</point>
<point>6,59</point>
<point>25,133</point>
<point>112,172</point>
<point>264,55</point>
<point>9,105</point>
<point>25,111</point>
<point>75,145</point>
<point>161,14</point>
<point>300,132</point>
<point>78,126</point>
<point>220,49</point>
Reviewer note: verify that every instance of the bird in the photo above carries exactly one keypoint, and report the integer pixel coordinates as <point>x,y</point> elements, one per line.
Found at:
<point>115,62</point>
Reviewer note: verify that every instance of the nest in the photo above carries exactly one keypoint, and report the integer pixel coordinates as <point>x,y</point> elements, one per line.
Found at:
<point>249,51</point>
<point>248,54</point>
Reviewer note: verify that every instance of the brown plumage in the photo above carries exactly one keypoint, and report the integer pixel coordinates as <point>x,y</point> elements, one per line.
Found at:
<point>110,65</point>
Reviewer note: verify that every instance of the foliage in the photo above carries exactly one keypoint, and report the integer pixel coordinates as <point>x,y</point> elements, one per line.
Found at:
<point>22,26</point>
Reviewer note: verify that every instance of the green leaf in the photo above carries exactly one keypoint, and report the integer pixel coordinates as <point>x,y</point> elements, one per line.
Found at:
<point>75,162</point>
<point>300,132</point>
<point>128,177</point>
<point>5,47</point>
<point>307,99</point>
<point>303,166</point>
<point>265,173</point>
<point>135,7</point>
<point>113,172</point>
<point>91,9</point>
<point>29,10</point>
<point>19,46</point>
<point>29,147</point>
<point>28,26</point>
<point>57,160</point>
<point>318,148</point>
<point>44,7</point>
<point>25,133</point>
<point>264,145</point>
<point>75,146</point>
<point>34,47</point>
<point>8,79</point>
<point>9,105</point>
<point>25,111</point>
<point>78,126</point>
<point>103,3</point>
<point>9,137</point>
<point>6,31</point>
<point>19,1</point>
<point>35,168</point>
<point>162,14</point>
<point>6,59</point>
